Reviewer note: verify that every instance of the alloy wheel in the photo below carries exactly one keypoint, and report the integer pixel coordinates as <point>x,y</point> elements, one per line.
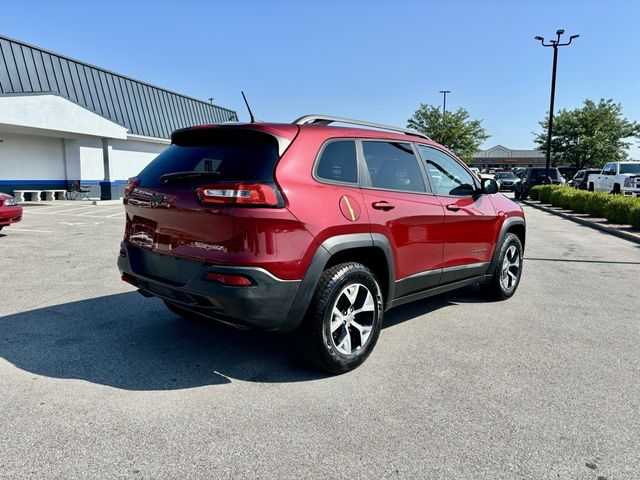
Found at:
<point>352,318</point>
<point>510,268</point>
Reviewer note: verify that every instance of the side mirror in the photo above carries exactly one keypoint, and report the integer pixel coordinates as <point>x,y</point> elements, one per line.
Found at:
<point>489,185</point>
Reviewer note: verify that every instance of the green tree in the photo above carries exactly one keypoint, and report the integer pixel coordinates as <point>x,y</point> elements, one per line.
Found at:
<point>454,130</point>
<point>589,136</point>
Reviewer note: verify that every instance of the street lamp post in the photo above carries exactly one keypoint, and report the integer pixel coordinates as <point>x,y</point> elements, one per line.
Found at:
<point>555,44</point>
<point>444,102</point>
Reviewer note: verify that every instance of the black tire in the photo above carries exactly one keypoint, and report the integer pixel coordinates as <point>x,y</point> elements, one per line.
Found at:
<point>591,187</point>
<point>326,349</point>
<point>495,288</point>
<point>616,189</point>
<point>516,195</point>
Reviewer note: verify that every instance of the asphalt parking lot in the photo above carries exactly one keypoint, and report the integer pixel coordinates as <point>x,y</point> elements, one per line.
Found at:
<point>98,382</point>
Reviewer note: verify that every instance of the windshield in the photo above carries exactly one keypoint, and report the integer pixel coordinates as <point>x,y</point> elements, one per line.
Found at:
<point>630,167</point>
<point>507,175</point>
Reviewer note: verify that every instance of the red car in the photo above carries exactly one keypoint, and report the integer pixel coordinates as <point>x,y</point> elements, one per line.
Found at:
<point>10,211</point>
<point>314,228</point>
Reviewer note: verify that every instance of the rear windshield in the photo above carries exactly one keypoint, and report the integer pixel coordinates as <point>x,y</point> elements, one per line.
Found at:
<point>218,156</point>
<point>630,167</point>
<point>540,172</point>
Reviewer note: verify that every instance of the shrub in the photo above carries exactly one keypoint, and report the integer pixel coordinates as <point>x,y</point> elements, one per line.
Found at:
<point>545,192</point>
<point>618,209</point>
<point>578,201</point>
<point>634,215</point>
<point>559,196</point>
<point>597,202</point>
<point>534,193</point>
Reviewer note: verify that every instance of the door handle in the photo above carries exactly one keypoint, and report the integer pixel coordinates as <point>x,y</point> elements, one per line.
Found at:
<point>383,206</point>
<point>453,207</point>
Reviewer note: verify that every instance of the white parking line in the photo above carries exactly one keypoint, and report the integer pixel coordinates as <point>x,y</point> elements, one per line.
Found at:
<point>27,230</point>
<point>74,209</point>
<point>102,210</point>
<point>63,211</point>
<point>119,214</point>
<point>50,207</point>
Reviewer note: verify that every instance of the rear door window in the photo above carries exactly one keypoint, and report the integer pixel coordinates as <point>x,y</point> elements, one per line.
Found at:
<point>338,162</point>
<point>393,166</point>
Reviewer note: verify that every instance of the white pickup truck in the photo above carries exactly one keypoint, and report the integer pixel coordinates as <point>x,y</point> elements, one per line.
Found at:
<point>617,177</point>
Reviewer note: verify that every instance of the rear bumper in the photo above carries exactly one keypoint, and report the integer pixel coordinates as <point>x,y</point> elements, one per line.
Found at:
<point>9,215</point>
<point>265,304</point>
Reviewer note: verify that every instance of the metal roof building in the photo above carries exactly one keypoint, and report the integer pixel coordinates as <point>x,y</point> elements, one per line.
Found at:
<point>500,156</point>
<point>66,120</point>
<point>142,108</point>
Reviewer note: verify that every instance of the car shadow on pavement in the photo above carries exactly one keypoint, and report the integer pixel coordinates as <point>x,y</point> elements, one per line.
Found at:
<point>132,343</point>
<point>128,342</point>
<point>410,311</point>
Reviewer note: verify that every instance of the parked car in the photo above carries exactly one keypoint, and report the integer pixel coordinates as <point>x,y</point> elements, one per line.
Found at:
<point>617,177</point>
<point>533,176</point>
<point>10,211</point>
<point>313,228</point>
<point>506,180</point>
<point>579,180</point>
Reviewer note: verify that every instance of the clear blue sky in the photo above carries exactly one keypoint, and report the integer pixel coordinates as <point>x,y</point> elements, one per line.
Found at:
<point>375,60</point>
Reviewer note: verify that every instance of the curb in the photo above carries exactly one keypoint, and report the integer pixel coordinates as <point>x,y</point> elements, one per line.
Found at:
<point>584,221</point>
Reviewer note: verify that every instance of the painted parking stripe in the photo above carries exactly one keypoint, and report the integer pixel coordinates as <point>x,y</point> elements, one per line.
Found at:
<point>28,230</point>
<point>50,207</point>
<point>74,209</point>
<point>119,214</point>
<point>62,210</point>
<point>75,215</point>
<point>102,210</point>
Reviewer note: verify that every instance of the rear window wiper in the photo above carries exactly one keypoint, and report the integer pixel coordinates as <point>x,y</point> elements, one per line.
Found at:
<point>178,176</point>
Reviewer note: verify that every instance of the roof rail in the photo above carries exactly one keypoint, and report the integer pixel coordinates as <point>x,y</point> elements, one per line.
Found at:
<point>326,120</point>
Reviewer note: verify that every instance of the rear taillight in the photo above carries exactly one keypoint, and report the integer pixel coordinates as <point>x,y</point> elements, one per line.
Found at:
<point>254,194</point>
<point>132,183</point>
<point>229,280</point>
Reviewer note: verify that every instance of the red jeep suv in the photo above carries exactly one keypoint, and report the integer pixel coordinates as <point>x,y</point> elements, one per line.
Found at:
<point>314,228</point>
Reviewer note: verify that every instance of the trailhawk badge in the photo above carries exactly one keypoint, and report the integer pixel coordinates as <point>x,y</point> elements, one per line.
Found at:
<point>208,247</point>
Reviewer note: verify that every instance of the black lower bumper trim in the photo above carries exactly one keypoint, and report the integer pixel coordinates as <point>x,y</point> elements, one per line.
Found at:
<point>264,304</point>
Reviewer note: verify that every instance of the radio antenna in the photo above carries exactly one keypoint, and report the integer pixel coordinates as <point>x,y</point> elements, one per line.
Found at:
<point>253,119</point>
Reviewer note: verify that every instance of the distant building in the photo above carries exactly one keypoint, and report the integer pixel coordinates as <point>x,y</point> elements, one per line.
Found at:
<point>502,157</point>
<point>63,121</point>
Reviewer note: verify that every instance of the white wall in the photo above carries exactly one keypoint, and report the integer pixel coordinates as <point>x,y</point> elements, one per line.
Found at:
<point>90,153</point>
<point>32,157</point>
<point>29,157</point>
<point>128,157</point>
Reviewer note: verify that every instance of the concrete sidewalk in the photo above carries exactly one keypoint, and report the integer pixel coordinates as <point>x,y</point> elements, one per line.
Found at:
<point>623,231</point>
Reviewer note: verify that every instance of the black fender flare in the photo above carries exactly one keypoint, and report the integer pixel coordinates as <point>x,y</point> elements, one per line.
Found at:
<point>506,225</point>
<point>321,257</point>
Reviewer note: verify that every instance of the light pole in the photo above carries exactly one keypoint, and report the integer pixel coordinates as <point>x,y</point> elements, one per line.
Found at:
<point>444,101</point>
<point>555,44</point>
